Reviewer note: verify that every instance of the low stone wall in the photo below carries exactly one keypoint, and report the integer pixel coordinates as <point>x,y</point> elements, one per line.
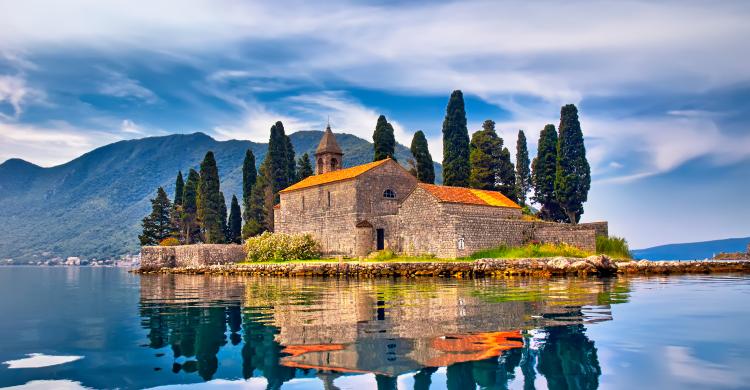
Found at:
<point>200,255</point>
<point>543,267</point>
<point>580,238</point>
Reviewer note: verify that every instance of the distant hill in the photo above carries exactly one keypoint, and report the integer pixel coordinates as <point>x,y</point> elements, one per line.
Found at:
<point>692,250</point>
<point>92,206</point>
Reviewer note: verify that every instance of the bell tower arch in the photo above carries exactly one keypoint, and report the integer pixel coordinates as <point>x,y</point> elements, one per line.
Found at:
<point>328,155</point>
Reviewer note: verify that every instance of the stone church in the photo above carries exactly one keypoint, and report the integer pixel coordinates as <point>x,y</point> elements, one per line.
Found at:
<point>380,205</point>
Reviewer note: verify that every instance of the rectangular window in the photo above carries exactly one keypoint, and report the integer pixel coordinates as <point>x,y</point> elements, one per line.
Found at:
<point>329,199</point>
<point>303,203</point>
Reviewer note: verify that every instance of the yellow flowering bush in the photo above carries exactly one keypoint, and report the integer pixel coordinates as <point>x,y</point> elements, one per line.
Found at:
<point>281,247</point>
<point>169,241</point>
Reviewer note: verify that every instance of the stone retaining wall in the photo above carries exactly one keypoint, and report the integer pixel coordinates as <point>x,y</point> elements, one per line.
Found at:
<point>543,267</point>
<point>200,255</point>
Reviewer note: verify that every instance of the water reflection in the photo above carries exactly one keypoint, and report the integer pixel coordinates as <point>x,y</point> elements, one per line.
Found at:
<point>485,333</point>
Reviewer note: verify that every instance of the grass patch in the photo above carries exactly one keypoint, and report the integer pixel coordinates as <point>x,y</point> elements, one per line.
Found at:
<point>529,251</point>
<point>616,247</point>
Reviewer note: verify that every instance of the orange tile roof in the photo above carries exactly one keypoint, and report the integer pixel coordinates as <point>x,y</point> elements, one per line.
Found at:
<point>469,196</point>
<point>330,177</point>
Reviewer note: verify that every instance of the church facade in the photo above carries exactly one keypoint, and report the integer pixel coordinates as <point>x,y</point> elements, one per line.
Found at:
<point>380,205</point>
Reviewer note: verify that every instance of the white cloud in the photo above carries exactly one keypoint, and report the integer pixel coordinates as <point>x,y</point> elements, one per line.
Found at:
<point>50,145</point>
<point>128,126</point>
<point>38,360</point>
<point>119,85</point>
<point>15,92</point>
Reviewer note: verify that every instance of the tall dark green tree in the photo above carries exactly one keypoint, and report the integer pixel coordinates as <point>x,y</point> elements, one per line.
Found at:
<point>235,222</point>
<point>189,227</point>
<point>384,142</point>
<point>179,187</point>
<point>304,167</point>
<point>523,171</point>
<point>491,168</point>
<point>291,163</point>
<point>257,222</point>
<point>210,202</point>
<point>543,171</point>
<point>157,225</point>
<point>484,156</point>
<point>224,216</point>
<point>456,166</point>
<point>420,151</point>
<point>573,174</point>
<point>249,175</point>
<point>278,159</point>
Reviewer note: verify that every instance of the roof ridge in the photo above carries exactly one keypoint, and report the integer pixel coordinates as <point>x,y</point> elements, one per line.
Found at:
<point>334,176</point>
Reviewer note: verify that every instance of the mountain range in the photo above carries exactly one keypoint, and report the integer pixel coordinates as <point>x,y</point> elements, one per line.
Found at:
<point>692,250</point>
<point>92,206</point>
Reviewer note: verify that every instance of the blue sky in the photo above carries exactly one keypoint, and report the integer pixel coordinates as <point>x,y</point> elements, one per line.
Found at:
<point>663,88</point>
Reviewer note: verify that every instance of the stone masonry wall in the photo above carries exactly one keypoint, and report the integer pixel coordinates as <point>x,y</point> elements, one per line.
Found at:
<point>424,228</point>
<point>200,255</point>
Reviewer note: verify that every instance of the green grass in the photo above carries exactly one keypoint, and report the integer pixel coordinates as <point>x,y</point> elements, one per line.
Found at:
<point>530,251</point>
<point>616,247</point>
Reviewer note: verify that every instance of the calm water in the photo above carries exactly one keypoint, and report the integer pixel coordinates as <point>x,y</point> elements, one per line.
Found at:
<point>104,328</point>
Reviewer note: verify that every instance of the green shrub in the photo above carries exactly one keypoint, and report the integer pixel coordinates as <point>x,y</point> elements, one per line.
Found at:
<point>169,241</point>
<point>616,247</point>
<point>281,247</point>
<point>530,251</point>
<point>382,255</point>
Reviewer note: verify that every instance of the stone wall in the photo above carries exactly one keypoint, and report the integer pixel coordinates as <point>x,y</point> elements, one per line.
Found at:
<point>424,228</point>
<point>200,255</point>
<point>580,238</point>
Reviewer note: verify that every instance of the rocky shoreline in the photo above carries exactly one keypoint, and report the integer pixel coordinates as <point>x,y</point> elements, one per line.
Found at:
<point>541,267</point>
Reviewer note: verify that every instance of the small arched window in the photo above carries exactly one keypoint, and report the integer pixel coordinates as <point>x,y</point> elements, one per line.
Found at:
<point>461,244</point>
<point>319,166</point>
<point>334,164</point>
<point>389,194</point>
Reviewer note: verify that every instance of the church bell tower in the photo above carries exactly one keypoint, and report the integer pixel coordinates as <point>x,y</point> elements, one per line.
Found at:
<point>328,156</point>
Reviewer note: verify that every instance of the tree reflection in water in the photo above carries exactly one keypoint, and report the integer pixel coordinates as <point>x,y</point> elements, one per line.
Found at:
<point>482,334</point>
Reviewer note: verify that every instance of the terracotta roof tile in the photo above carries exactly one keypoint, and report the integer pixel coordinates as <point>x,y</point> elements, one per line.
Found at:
<point>330,177</point>
<point>469,196</point>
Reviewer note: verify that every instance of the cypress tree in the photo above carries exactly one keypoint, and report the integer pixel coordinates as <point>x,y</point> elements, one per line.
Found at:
<point>189,228</point>
<point>424,166</point>
<point>543,175</point>
<point>210,202</point>
<point>456,168</point>
<point>179,187</point>
<point>573,174</point>
<point>523,171</point>
<point>291,163</point>
<point>249,173</point>
<point>235,222</point>
<point>223,214</point>
<point>157,225</point>
<point>278,158</point>
<point>384,142</point>
<point>506,175</point>
<point>304,167</point>
<point>257,222</point>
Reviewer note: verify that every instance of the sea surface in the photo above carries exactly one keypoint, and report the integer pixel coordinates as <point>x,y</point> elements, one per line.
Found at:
<point>80,327</point>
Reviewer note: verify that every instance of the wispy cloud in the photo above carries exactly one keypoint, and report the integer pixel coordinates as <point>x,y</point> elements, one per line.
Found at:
<point>119,85</point>
<point>16,93</point>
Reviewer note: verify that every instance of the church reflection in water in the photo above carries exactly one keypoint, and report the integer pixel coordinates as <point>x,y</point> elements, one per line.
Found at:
<point>484,332</point>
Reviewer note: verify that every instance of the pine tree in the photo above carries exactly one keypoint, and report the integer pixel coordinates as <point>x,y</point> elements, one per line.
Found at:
<point>304,167</point>
<point>235,222</point>
<point>424,165</point>
<point>179,187</point>
<point>523,171</point>
<point>543,171</point>
<point>484,156</point>
<point>456,166</point>
<point>257,222</point>
<point>189,227</point>
<point>157,225</point>
<point>210,202</point>
<point>384,142</point>
<point>573,174</point>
